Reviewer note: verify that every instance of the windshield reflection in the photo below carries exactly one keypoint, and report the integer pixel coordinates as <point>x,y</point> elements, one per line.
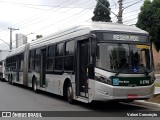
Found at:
<point>131,58</point>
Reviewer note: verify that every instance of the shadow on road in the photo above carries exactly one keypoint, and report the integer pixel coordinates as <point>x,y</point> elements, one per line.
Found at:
<point>95,106</point>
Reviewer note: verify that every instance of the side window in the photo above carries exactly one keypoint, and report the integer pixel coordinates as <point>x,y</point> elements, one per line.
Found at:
<point>37,60</point>
<point>59,49</point>
<point>13,63</point>
<point>21,61</point>
<point>32,67</point>
<point>50,60</point>
<point>29,61</point>
<point>70,48</point>
<point>69,55</point>
<point>59,56</point>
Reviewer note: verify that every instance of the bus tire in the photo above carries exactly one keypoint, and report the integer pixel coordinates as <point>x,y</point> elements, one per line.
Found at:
<point>34,84</point>
<point>3,80</point>
<point>70,93</point>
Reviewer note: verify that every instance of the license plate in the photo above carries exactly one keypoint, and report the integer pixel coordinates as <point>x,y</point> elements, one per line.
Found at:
<point>132,96</point>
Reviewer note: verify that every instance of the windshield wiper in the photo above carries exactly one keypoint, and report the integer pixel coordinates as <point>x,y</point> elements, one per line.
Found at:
<point>145,70</point>
<point>121,69</point>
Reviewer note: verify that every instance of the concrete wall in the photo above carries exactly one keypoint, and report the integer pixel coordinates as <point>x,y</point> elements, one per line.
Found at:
<point>156,57</point>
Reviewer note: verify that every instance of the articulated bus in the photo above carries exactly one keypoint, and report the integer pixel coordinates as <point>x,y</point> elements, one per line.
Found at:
<point>89,62</point>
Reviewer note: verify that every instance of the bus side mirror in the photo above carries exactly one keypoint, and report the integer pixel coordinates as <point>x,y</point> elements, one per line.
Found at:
<point>91,71</point>
<point>93,45</point>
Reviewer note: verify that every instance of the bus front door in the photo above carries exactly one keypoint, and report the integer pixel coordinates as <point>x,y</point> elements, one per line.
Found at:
<point>43,68</point>
<point>82,60</point>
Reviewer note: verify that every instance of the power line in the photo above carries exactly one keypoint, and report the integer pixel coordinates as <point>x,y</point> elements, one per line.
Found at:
<point>38,16</point>
<point>27,4</point>
<point>49,16</point>
<point>132,4</point>
<point>132,15</point>
<point>130,20</point>
<point>131,11</point>
<point>77,17</point>
<point>30,5</point>
<point>31,20</point>
<point>114,1</point>
<point>67,11</point>
<point>127,12</point>
<point>57,22</point>
<point>121,9</point>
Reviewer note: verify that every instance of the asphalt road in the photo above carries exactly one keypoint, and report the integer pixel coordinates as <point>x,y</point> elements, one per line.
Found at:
<point>18,98</point>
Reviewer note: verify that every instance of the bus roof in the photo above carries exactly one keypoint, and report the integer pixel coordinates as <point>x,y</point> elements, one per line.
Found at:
<point>17,50</point>
<point>79,30</point>
<point>108,26</point>
<point>84,29</point>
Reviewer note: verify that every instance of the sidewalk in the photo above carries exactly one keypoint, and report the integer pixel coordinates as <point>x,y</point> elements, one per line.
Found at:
<point>157,90</point>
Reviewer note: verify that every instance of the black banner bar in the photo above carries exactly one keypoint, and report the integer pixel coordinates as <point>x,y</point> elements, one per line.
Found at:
<point>79,114</point>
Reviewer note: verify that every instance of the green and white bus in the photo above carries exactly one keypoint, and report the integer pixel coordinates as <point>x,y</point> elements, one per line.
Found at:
<point>89,62</point>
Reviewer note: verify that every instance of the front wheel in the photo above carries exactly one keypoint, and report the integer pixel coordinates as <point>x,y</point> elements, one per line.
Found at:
<point>70,94</point>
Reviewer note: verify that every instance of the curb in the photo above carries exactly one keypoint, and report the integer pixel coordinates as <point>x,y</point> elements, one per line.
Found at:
<point>142,102</point>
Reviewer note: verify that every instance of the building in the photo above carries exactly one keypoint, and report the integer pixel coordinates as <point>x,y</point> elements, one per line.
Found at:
<point>20,40</point>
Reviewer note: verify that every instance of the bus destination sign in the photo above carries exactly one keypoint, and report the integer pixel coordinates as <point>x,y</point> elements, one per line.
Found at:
<point>125,37</point>
<point>103,36</point>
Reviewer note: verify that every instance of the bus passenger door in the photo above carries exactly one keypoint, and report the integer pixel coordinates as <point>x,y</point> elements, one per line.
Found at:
<point>82,63</point>
<point>18,66</point>
<point>43,68</point>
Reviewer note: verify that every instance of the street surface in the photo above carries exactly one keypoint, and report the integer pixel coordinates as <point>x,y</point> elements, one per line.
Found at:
<point>18,98</point>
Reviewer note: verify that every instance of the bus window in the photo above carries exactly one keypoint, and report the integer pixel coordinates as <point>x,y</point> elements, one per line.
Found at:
<point>21,62</point>
<point>37,60</point>
<point>50,56</point>
<point>70,48</point>
<point>32,60</point>
<point>69,55</point>
<point>59,49</point>
<point>59,56</point>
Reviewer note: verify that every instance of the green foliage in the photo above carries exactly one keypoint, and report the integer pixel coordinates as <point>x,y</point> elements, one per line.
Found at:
<point>38,36</point>
<point>149,20</point>
<point>157,84</point>
<point>101,13</point>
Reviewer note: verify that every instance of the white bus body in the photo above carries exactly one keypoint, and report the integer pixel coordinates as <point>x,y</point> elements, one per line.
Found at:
<point>84,63</point>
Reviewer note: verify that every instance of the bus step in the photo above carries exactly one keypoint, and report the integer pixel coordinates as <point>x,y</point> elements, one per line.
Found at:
<point>82,99</point>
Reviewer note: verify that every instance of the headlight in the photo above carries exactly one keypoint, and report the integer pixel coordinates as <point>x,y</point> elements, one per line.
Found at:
<point>102,79</point>
<point>152,79</point>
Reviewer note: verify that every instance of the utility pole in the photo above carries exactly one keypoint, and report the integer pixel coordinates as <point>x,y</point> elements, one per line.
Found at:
<point>11,30</point>
<point>120,12</point>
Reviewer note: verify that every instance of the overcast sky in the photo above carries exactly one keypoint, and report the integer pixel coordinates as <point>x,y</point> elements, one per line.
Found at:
<point>44,17</point>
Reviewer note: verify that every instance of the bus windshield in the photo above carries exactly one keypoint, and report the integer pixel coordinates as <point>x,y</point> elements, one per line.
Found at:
<point>127,58</point>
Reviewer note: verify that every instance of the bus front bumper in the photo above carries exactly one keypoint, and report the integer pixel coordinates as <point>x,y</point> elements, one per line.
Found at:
<point>104,92</point>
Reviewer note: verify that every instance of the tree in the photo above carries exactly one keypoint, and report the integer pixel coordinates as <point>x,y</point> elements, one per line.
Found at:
<point>101,13</point>
<point>38,36</point>
<point>149,20</point>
